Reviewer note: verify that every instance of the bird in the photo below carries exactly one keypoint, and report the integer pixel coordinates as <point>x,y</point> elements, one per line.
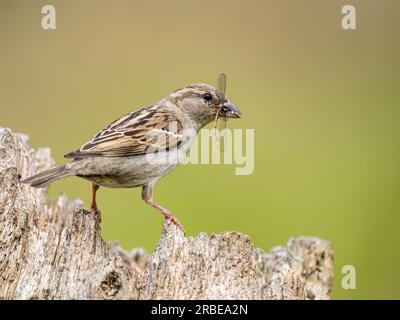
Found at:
<point>139,148</point>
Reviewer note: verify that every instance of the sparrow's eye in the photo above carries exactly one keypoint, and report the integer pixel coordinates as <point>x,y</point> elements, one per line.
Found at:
<point>207,96</point>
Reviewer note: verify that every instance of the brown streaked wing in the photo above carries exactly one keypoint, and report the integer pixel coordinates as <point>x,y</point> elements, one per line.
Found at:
<point>134,134</point>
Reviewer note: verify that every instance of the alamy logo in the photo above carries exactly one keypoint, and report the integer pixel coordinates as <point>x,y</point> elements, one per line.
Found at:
<point>349,18</point>
<point>49,18</point>
<point>349,277</point>
<point>212,146</point>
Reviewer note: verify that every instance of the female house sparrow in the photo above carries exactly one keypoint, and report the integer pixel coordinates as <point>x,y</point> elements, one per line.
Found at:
<point>139,148</point>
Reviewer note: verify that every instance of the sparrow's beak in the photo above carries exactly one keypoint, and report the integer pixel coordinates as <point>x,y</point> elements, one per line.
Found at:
<point>230,110</point>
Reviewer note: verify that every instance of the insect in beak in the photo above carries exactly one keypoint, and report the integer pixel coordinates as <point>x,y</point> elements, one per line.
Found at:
<point>229,110</point>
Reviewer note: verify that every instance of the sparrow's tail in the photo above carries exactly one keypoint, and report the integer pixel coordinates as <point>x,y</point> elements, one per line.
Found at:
<point>43,179</point>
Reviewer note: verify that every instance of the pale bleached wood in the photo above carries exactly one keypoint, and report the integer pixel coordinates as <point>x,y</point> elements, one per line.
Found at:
<point>55,251</point>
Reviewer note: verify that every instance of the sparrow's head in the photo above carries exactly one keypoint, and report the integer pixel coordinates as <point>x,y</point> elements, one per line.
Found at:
<point>204,103</point>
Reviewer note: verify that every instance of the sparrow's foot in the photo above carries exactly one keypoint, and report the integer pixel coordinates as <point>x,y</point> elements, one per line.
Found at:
<point>96,211</point>
<point>171,218</point>
<point>147,192</point>
<point>97,214</point>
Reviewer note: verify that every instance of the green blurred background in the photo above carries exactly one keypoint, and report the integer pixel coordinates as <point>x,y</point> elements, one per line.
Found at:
<point>324,103</point>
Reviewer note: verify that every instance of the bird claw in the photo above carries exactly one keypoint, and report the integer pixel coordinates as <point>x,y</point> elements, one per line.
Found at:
<point>97,214</point>
<point>173,219</point>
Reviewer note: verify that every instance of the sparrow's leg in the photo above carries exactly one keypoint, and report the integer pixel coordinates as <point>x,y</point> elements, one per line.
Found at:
<point>97,212</point>
<point>147,196</point>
